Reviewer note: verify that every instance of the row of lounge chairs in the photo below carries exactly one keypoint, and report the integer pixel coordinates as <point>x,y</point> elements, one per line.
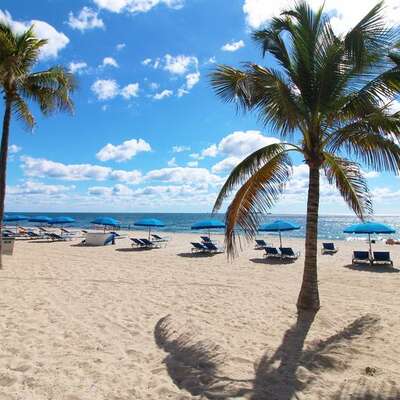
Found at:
<point>41,233</point>
<point>378,258</point>
<point>281,253</point>
<point>327,248</point>
<point>156,242</point>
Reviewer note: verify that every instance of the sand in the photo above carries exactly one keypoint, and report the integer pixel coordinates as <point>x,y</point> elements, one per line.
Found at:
<point>80,323</point>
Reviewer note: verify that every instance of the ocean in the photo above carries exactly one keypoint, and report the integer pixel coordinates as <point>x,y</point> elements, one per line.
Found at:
<point>330,226</point>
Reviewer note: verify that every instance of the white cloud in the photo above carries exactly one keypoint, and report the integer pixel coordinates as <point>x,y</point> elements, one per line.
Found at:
<point>154,86</point>
<point>131,90</point>
<point>56,40</point>
<point>346,14</point>
<point>182,91</point>
<point>179,65</point>
<point>14,149</point>
<point>86,19</point>
<point>109,61</point>
<point>162,95</point>
<point>146,61</point>
<point>123,152</point>
<point>233,46</point>
<point>105,89</point>
<point>42,168</point>
<point>180,149</point>
<point>192,80</point>
<point>136,6</point>
<point>370,174</point>
<point>118,190</point>
<point>211,151</point>
<point>120,46</point>
<point>172,162</point>
<point>192,163</point>
<point>29,188</point>
<point>226,165</point>
<point>77,67</point>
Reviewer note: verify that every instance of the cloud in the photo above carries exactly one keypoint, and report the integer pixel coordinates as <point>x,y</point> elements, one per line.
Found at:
<point>172,162</point>
<point>14,149</point>
<point>106,89</point>
<point>56,40</point>
<point>162,95</point>
<point>118,190</point>
<point>180,149</point>
<point>345,14</point>
<point>136,6</point>
<point>77,67</point>
<point>131,90</point>
<point>370,174</point>
<point>211,151</point>
<point>233,46</point>
<point>146,61</point>
<point>192,163</point>
<point>86,19</point>
<point>42,168</point>
<point>123,152</point>
<point>120,46</point>
<point>29,188</point>
<point>225,165</point>
<point>109,61</point>
<point>184,175</point>
<point>179,65</point>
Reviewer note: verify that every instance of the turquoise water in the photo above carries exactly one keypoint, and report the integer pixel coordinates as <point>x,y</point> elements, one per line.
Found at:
<point>330,227</point>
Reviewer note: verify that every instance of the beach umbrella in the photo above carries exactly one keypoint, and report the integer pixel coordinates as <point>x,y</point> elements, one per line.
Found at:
<point>150,223</point>
<point>105,221</point>
<point>369,228</point>
<point>41,219</point>
<point>279,226</point>
<point>61,220</point>
<point>208,224</point>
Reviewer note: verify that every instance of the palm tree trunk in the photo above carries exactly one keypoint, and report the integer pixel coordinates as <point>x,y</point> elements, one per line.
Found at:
<point>309,296</point>
<point>3,166</point>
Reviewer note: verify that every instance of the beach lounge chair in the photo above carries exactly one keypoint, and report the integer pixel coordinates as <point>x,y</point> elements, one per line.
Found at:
<point>137,243</point>
<point>55,237</point>
<point>260,244</point>
<point>158,238</point>
<point>212,248</point>
<point>287,252</point>
<point>205,239</point>
<point>361,257</point>
<point>382,257</point>
<point>198,247</point>
<point>34,235</point>
<point>329,248</point>
<point>272,252</point>
<point>150,245</point>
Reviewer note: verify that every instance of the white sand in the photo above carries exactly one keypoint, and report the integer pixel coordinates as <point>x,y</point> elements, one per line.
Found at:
<point>78,323</point>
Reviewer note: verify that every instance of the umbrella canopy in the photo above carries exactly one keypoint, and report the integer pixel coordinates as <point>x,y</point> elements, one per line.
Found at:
<point>150,223</point>
<point>14,218</point>
<point>41,219</point>
<point>279,226</point>
<point>105,221</point>
<point>369,228</point>
<point>208,224</point>
<point>61,220</point>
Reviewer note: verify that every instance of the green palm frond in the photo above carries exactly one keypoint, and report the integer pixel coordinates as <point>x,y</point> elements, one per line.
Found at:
<point>22,112</point>
<point>257,195</point>
<point>350,182</point>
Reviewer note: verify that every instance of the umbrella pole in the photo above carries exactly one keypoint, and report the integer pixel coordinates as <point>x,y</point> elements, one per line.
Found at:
<point>370,245</point>
<point>280,238</point>
<point>149,232</point>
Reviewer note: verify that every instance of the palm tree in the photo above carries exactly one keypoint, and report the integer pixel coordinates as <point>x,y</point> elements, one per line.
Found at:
<point>330,100</point>
<point>51,89</point>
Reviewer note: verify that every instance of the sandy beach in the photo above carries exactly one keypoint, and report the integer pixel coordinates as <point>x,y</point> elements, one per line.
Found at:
<point>80,323</point>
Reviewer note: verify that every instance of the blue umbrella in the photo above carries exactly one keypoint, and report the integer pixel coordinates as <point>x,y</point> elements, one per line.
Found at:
<point>41,219</point>
<point>105,221</point>
<point>61,220</point>
<point>14,218</point>
<point>279,226</point>
<point>208,224</point>
<point>150,223</point>
<point>369,228</point>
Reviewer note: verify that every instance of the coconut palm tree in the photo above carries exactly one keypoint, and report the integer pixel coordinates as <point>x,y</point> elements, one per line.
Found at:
<point>50,89</point>
<point>330,100</point>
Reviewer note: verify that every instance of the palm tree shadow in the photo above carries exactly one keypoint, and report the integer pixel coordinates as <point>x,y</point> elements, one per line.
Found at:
<point>367,391</point>
<point>195,365</point>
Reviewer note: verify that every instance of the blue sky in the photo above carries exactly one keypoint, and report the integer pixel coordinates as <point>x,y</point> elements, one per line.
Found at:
<point>148,133</point>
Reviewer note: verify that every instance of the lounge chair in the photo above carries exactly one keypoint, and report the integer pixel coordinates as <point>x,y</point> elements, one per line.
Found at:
<point>272,252</point>
<point>260,244</point>
<point>34,235</point>
<point>361,257</point>
<point>382,257</point>
<point>150,245</point>
<point>212,248</point>
<point>137,243</point>
<point>55,237</point>
<point>198,247</point>
<point>287,252</point>
<point>329,248</point>
<point>158,238</point>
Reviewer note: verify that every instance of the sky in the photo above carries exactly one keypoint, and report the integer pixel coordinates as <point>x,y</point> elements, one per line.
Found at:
<point>148,133</point>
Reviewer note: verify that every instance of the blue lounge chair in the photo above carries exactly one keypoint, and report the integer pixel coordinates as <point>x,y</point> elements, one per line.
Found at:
<point>329,248</point>
<point>287,252</point>
<point>361,257</point>
<point>198,247</point>
<point>382,257</point>
<point>137,243</point>
<point>260,244</point>
<point>149,245</point>
<point>212,248</point>
<point>55,237</point>
<point>158,238</point>
<point>272,252</point>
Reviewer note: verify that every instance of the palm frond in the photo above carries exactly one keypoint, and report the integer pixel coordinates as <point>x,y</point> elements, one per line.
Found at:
<point>22,112</point>
<point>350,182</point>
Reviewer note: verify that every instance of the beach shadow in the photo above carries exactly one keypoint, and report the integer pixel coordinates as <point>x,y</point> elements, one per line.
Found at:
<point>135,249</point>
<point>197,254</point>
<point>370,268</point>
<point>195,366</point>
<point>272,261</point>
<point>365,390</point>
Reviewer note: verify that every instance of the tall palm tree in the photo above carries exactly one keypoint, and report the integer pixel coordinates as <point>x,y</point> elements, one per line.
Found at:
<point>20,85</point>
<point>330,100</point>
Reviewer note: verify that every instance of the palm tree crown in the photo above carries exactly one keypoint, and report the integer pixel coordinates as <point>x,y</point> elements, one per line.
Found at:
<point>330,100</point>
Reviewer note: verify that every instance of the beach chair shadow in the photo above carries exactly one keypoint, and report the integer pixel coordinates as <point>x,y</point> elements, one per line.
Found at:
<point>197,254</point>
<point>194,366</point>
<point>372,268</point>
<point>272,261</point>
<point>134,249</point>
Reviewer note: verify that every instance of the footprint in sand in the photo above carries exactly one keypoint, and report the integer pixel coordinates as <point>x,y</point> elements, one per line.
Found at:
<point>18,367</point>
<point>7,380</point>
